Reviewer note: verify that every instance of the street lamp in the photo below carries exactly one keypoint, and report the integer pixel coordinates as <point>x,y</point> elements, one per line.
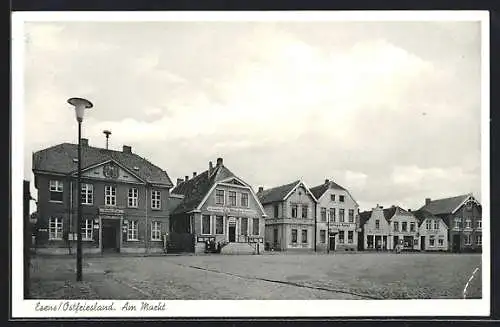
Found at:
<point>80,106</point>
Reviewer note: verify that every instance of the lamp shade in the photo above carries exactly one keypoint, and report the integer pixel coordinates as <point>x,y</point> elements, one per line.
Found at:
<point>80,105</point>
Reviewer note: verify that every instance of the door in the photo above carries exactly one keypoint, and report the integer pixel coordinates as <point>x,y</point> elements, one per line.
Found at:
<point>456,243</point>
<point>422,243</point>
<point>232,233</point>
<point>109,238</point>
<point>396,241</point>
<point>275,238</point>
<point>384,242</point>
<point>332,243</point>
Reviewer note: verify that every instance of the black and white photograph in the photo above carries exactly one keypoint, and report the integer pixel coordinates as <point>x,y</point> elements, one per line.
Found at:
<point>338,161</point>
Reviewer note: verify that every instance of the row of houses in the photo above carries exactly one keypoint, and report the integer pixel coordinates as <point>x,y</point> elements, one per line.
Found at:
<point>131,205</point>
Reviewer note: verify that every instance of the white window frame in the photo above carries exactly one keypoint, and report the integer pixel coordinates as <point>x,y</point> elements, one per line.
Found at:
<point>323,213</point>
<point>404,226</point>
<point>468,223</point>
<point>253,226</point>
<point>457,223</point>
<point>87,230</point>
<point>155,199</point>
<point>246,196</point>
<point>351,240</point>
<point>216,225</point>
<point>377,227</point>
<point>217,197</point>
<point>396,226</point>
<point>241,226</point>
<point>412,227</point>
<point>332,218</point>
<point>296,236</point>
<point>133,230</point>
<point>350,219</point>
<point>341,216</point>
<point>440,241</point>
<point>428,224</point>
<point>87,193</point>
<point>133,197</point>
<point>232,198</point>
<point>467,240</point>
<point>302,240</point>
<point>110,195</point>
<point>55,228</point>
<point>332,197</point>
<point>57,186</point>
<point>342,239</point>
<point>433,244</point>
<point>479,239</point>
<point>306,211</point>
<point>156,231</point>
<point>296,210</point>
<point>479,224</point>
<point>436,224</point>
<point>209,224</point>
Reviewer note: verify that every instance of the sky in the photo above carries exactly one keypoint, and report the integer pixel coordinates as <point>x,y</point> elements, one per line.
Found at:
<point>389,110</point>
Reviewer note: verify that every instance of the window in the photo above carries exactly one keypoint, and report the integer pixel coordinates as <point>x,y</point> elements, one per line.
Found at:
<point>244,226</point>
<point>110,195</point>
<point>322,236</point>
<point>304,236</point>
<point>479,239</point>
<point>323,214</point>
<point>467,239</point>
<point>404,226</point>
<point>244,199</point>
<point>219,225</point>
<point>55,228</point>
<point>441,242</point>
<point>350,236</point>
<point>133,231</point>
<point>87,194</point>
<point>436,224</point>
<point>219,197</point>
<point>377,224</point>
<point>412,227</point>
<point>341,236</point>
<point>56,190</point>
<point>304,211</point>
<point>332,197</point>
<point>428,224</point>
<point>432,241</point>
<point>351,215</point>
<point>341,215</point>
<point>256,226</point>
<point>132,197</point>
<point>294,236</point>
<point>232,198</point>
<point>396,226</point>
<point>478,224</point>
<point>332,214</point>
<point>341,198</point>
<point>205,224</point>
<point>457,222</point>
<point>156,231</point>
<point>294,211</point>
<point>276,211</point>
<point>468,223</point>
<point>87,230</point>
<point>155,199</point>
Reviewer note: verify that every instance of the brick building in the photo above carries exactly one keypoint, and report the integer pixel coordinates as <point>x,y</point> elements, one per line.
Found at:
<point>125,200</point>
<point>463,215</point>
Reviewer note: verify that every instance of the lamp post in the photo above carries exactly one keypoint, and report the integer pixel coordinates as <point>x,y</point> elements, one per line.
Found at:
<point>80,106</point>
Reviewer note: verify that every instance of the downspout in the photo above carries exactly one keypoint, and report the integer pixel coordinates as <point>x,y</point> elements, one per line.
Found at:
<point>315,225</point>
<point>146,240</point>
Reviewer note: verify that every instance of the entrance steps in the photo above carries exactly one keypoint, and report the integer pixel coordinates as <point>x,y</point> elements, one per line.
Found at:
<point>241,248</point>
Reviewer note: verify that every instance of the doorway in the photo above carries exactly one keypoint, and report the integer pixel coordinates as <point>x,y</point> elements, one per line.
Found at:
<point>331,243</point>
<point>422,243</point>
<point>275,238</point>
<point>395,242</point>
<point>456,243</point>
<point>110,235</point>
<point>232,233</point>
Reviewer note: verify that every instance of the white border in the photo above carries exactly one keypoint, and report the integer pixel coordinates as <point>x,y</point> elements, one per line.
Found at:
<point>326,308</point>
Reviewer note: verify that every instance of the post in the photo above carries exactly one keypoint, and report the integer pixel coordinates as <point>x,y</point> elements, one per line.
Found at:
<point>315,226</point>
<point>79,218</point>
<point>27,239</point>
<point>328,234</point>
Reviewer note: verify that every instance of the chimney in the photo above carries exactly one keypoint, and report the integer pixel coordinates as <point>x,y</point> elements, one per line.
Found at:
<point>186,178</point>
<point>219,162</point>
<point>194,174</point>
<point>179,180</point>
<point>127,149</point>
<point>409,210</point>
<point>85,142</point>
<point>210,168</point>
<point>261,189</point>
<point>427,201</point>
<point>107,133</point>
<point>327,181</point>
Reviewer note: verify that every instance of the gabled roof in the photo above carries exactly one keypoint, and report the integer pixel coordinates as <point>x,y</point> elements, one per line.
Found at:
<point>277,193</point>
<point>196,188</point>
<point>60,159</point>
<point>364,217</point>
<point>422,215</point>
<point>445,206</point>
<point>319,190</point>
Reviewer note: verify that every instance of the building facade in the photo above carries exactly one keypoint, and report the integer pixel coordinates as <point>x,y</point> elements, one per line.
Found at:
<point>124,200</point>
<point>291,216</point>
<point>337,216</point>
<point>463,215</point>
<point>375,228</point>
<point>220,207</point>
<point>403,229</point>
<point>433,232</point>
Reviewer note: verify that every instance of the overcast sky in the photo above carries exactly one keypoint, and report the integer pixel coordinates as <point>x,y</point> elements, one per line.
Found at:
<point>391,111</point>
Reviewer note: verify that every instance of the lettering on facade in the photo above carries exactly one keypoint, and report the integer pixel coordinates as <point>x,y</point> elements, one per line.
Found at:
<point>205,238</point>
<point>229,210</point>
<point>111,211</point>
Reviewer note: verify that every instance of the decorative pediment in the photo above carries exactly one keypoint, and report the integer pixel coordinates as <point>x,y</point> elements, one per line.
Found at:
<point>234,181</point>
<point>111,171</point>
